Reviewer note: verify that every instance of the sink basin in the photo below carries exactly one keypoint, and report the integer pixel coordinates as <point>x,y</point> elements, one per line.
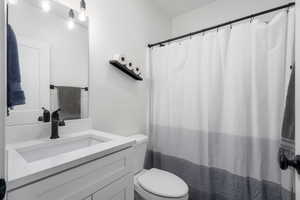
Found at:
<point>57,147</point>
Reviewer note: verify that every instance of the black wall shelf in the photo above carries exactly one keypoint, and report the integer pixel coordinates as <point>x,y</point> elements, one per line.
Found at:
<point>124,69</point>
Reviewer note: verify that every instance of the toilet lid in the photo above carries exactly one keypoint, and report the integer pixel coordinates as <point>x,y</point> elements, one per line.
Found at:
<point>163,183</point>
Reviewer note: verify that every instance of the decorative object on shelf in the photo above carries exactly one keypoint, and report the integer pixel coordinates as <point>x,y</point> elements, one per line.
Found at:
<point>121,58</point>
<point>125,69</point>
<point>137,70</point>
<point>130,66</point>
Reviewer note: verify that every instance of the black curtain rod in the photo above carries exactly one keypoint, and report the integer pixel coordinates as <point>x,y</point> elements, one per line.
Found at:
<point>221,25</point>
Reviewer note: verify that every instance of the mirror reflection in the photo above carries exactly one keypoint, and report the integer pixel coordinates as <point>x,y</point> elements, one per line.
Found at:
<point>51,50</point>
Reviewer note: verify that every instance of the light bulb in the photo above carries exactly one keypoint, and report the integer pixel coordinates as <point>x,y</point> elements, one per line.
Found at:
<point>82,16</point>
<point>71,24</point>
<point>46,5</point>
<point>13,2</point>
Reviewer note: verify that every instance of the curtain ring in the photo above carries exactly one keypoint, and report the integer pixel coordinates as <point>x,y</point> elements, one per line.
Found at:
<point>288,10</point>
<point>203,33</point>
<point>218,29</point>
<point>191,37</point>
<point>251,20</point>
<point>230,26</point>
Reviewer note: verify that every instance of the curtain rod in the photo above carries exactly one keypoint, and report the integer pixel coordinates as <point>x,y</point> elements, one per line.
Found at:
<point>221,25</point>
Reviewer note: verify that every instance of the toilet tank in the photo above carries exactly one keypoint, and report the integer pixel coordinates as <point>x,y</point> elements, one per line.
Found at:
<point>140,149</point>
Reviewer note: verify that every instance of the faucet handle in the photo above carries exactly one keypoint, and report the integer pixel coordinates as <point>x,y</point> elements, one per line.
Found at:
<point>45,117</point>
<point>59,109</point>
<point>62,123</point>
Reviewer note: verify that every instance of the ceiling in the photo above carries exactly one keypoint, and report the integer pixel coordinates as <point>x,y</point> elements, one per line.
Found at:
<point>177,7</point>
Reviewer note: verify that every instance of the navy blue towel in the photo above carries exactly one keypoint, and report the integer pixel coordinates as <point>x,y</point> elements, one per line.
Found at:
<point>15,94</point>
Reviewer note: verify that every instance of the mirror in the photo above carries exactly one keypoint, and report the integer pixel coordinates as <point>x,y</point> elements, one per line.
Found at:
<point>53,53</point>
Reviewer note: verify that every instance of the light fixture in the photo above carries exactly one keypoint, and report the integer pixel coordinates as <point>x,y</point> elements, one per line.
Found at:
<point>13,2</point>
<point>71,23</point>
<point>82,15</point>
<point>46,5</point>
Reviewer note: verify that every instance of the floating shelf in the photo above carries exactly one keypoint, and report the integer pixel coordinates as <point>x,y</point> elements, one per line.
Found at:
<point>124,69</point>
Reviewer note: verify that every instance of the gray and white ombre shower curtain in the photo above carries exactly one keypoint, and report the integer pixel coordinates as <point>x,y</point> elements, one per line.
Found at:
<point>216,109</point>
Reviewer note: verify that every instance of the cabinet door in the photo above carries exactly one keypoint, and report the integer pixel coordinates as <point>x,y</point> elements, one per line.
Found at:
<point>122,189</point>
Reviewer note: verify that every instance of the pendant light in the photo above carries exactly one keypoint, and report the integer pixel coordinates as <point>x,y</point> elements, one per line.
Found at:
<point>82,14</point>
<point>46,5</point>
<point>13,2</point>
<point>71,22</point>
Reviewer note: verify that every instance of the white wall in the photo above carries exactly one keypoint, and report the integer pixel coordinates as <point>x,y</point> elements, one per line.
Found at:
<point>218,12</point>
<point>118,103</point>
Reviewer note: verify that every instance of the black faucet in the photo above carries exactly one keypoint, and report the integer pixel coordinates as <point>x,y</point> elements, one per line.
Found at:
<point>55,123</point>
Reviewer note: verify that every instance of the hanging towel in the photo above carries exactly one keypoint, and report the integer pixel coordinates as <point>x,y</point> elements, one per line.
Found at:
<point>288,126</point>
<point>69,101</point>
<point>15,94</point>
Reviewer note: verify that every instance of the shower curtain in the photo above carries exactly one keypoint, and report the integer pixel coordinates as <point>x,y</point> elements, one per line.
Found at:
<point>216,108</point>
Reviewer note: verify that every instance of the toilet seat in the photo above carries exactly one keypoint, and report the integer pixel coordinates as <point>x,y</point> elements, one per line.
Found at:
<point>156,184</point>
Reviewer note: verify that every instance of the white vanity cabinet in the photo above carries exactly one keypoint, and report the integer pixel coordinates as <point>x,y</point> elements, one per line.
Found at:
<point>122,189</point>
<point>107,178</point>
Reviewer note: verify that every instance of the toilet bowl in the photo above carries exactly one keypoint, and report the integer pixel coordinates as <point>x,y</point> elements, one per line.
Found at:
<point>155,184</point>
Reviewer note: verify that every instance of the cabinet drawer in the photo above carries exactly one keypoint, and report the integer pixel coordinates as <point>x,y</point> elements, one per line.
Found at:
<point>80,182</point>
<point>122,189</point>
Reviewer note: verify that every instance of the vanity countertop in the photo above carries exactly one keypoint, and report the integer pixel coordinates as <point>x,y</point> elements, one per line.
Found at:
<point>22,172</point>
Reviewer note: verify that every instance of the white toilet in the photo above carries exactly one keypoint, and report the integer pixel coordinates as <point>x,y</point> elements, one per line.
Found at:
<point>155,184</point>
